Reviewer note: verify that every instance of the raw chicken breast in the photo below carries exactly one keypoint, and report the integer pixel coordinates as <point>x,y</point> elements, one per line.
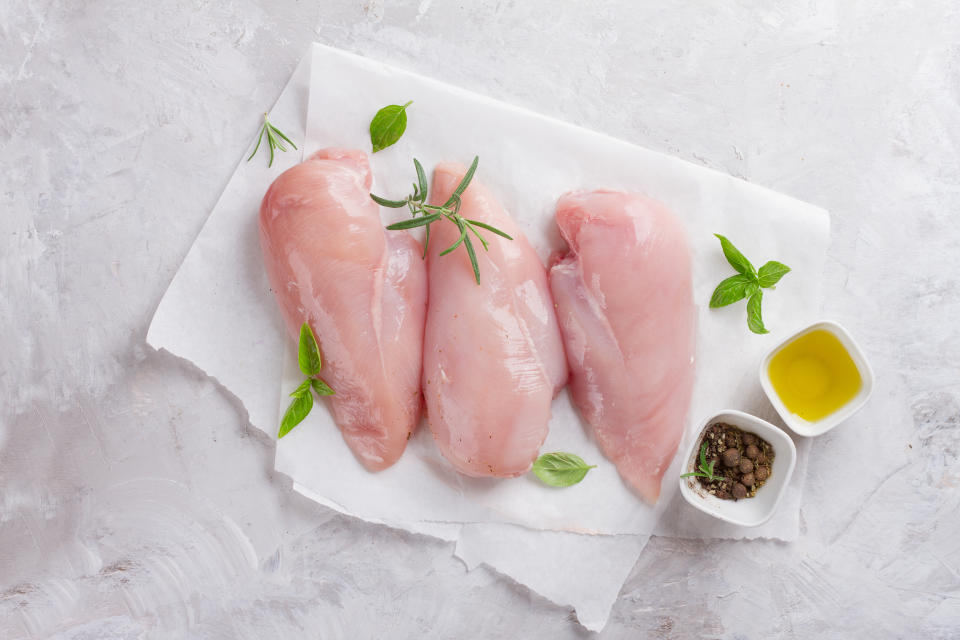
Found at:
<point>625,304</point>
<point>493,356</point>
<point>362,289</point>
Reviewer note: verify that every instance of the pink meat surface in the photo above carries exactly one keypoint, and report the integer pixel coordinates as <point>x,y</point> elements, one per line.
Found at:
<point>624,301</point>
<point>493,357</point>
<point>362,289</point>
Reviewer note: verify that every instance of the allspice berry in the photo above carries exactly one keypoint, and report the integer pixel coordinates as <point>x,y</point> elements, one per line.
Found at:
<point>731,457</point>
<point>748,479</point>
<point>762,473</point>
<point>739,491</point>
<point>746,466</point>
<point>748,439</point>
<point>753,451</point>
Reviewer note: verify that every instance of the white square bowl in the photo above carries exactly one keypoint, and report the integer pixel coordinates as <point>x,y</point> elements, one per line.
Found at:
<point>804,427</point>
<point>746,512</point>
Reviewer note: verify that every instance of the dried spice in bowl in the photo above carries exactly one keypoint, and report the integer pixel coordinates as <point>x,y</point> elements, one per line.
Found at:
<point>733,463</point>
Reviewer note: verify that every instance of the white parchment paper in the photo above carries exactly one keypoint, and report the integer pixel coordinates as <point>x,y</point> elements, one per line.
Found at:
<point>528,161</point>
<point>219,313</point>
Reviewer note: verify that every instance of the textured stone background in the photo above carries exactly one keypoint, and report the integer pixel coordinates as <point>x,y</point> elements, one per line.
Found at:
<point>135,502</point>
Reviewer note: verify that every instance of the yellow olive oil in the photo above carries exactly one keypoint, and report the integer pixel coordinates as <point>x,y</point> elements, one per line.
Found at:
<point>814,375</point>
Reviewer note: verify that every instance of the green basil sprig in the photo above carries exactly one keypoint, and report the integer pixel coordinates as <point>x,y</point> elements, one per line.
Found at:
<point>560,469</point>
<point>308,357</point>
<point>748,283</point>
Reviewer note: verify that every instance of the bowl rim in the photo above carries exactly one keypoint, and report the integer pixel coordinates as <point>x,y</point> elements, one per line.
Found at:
<point>829,422</point>
<point>744,421</point>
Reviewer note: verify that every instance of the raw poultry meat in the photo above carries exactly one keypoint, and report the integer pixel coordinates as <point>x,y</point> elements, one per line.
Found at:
<point>362,289</point>
<point>493,356</point>
<point>624,301</point>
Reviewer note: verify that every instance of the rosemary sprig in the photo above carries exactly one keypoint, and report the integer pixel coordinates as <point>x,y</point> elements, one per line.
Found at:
<point>423,215</point>
<point>275,139</point>
<point>705,470</point>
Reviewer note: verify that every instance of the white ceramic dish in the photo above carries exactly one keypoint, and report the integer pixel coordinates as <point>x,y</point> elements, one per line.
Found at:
<point>805,427</point>
<point>748,512</point>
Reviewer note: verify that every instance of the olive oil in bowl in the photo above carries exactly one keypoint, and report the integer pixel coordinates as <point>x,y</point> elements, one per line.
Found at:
<point>814,375</point>
<point>817,378</point>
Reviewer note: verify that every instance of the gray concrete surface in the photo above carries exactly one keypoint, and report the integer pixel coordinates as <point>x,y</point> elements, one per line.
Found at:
<point>135,502</point>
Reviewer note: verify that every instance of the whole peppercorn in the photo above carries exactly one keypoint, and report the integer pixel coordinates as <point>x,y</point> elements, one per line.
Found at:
<point>746,466</point>
<point>753,451</point>
<point>731,457</point>
<point>748,479</point>
<point>762,473</point>
<point>739,491</point>
<point>749,438</point>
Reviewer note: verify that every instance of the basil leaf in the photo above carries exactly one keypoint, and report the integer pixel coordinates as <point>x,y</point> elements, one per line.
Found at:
<point>295,413</point>
<point>302,389</point>
<point>321,387</point>
<point>771,273</point>
<point>308,355</point>
<point>559,469</point>
<point>388,125</point>
<point>730,290</point>
<point>736,259</point>
<point>754,321</point>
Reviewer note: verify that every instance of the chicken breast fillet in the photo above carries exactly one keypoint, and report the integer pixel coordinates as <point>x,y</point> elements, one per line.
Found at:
<point>624,301</point>
<point>493,357</point>
<point>362,289</point>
